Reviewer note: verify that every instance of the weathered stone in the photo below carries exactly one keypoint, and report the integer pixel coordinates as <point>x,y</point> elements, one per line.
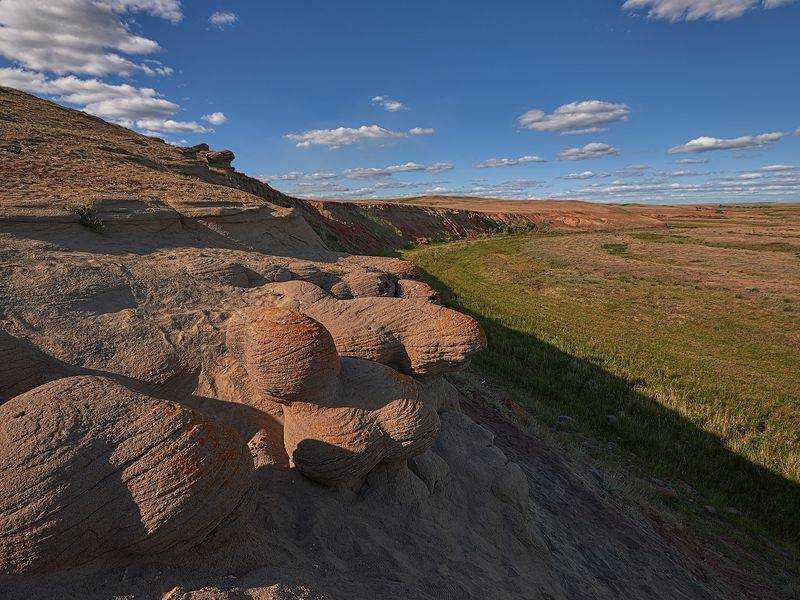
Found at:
<point>417,290</point>
<point>91,469</point>
<point>341,417</point>
<point>363,284</point>
<point>413,336</point>
<point>219,159</point>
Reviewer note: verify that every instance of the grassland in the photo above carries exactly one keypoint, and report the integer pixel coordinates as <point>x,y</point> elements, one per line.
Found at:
<point>679,346</point>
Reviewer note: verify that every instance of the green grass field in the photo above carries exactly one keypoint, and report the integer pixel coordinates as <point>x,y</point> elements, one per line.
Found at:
<point>681,348</point>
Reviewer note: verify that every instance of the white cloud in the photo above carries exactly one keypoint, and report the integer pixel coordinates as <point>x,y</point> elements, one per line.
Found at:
<point>592,150</point>
<point>708,144</point>
<point>692,10</point>
<point>584,175</point>
<point>778,168</point>
<point>491,163</point>
<point>223,19</point>
<point>345,136</point>
<point>513,189</point>
<point>298,175</point>
<point>705,192</point>
<point>576,117</point>
<point>166,9</point>
<point>638,167</point>
<point>389,104</point>
<point>80,36</point>
<point>317,188</point>
<point>745,186</point>
<point>114,102</point>
<point>680,174</point>
<point>341,136</point>
<point>290,176</point>
<point>170,126</point>
<point>216,118</point>
<point>321,175</point>
<point>409,167</point>
<point>692,161</point>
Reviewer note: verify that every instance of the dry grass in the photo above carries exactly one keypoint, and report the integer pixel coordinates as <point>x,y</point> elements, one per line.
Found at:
<point>679,346</point>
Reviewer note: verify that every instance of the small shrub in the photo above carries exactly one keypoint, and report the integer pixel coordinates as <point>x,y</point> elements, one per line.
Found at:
<point>87,218</point>
<point>616,249</point>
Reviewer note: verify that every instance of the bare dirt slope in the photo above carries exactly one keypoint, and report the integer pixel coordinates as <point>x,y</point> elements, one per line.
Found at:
<point>136,290</point>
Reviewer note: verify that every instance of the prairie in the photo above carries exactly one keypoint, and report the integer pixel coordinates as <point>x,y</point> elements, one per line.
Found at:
<point>677,347</point>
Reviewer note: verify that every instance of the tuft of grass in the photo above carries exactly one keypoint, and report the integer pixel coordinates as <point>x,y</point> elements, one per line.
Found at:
<point>617,249</point>
<point>87,218</point>
<point>702,381</point>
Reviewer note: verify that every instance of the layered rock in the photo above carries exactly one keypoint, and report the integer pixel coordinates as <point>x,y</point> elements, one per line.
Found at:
<point>415,337</point>
<point>92,470</point>
<point>220,159</point>
<point>341,416</point>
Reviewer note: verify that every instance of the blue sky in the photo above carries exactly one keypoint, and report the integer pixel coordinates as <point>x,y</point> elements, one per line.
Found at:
<point>356,99</point>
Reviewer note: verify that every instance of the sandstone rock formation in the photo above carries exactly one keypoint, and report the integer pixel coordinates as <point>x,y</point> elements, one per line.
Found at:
<point>220,159</point>
<point>341,417</point>
<point>413,336</point>
<point>93,470</point>
<point>413,289</point>
<point>366,283</point>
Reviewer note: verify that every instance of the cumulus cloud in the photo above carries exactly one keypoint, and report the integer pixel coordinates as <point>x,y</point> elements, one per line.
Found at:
<point>121,102</point>
<point>81,36</point>
<point>592,150</point>
<point>514,189</point>
<point>216,118</point>
<point>378,189</point>
<point>576,117</point>
<point>584,175</point>
<point>298,175</point>
<point>638,167</point>
<point>708,144</point>
<point>425,131</point>
<point>289,176</point>
<point>409,167</point>
<point>693,10</point>
<point>222,19</point>
<point>341,136</point>
<point>345,136</point>
<point>166,9</point>
<point>320,175</point>
<point>682,173</point>
<point>389,104</point>
<point>692,161</point>
<point>491,163</point>
<point>170,126</point>
<point>124,104</point>
<point>778,168</point>
<point>742,187</point>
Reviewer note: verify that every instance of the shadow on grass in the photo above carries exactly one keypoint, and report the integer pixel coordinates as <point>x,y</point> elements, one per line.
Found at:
<point>610,409</point>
